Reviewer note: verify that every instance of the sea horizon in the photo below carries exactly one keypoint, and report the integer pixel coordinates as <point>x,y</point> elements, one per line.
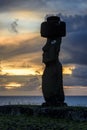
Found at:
<point>38,95</point>
<point>38,100</point>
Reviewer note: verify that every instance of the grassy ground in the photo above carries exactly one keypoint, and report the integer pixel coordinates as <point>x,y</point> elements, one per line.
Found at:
<point>22,122</point>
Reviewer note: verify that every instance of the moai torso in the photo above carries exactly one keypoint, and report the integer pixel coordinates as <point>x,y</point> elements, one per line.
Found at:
<point>52,81</point>
<point>51,50</point>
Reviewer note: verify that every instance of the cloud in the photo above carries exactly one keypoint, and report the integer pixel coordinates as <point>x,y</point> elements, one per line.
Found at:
<point>74,80</point>
<point>31,84</point>
<point>2,88</point>
<point>14,26</point>
<point>77,78</point>
<point>80,72</point>
<point>76,23</point>
<point>63,6</point>
<point>75,44</point>
<point>23,47</point>
<point>73,48</point>
<point>28,83</point>
<point>20,5</point>
<point>73,51</point>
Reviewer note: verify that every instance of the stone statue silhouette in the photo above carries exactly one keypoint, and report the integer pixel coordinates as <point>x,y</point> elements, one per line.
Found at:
<point>52,81</point>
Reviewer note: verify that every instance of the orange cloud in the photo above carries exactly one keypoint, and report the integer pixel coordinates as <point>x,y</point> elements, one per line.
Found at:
<point>12,85</point>
<point>75,90</point>
<point>68,69</point>
<point>16,38</point>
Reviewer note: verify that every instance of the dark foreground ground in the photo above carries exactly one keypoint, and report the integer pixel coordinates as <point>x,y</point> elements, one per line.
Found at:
<point>42,118</point>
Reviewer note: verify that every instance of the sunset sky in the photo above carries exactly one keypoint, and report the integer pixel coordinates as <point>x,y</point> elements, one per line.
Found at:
<point>21,45</point>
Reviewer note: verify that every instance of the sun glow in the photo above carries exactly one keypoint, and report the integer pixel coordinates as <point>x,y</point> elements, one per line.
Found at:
<point>68,69</point>
<point>12,85</point>
<point>19,71</point>
<point>33,71</point>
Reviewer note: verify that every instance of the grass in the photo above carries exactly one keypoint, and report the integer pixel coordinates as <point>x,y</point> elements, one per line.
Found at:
<point>27,121</point>
<point>22,122</point>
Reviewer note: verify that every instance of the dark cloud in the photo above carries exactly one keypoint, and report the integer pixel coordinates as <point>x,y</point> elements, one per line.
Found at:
<point>76,23</point>
<point>75,44</point>
<point>80,72</point>
<point>14,26</point>
<point>28,83</point>
<point>31,84</point>
<point>2,88</point>
<point>64,6</point>
<point>75,49</point>
<point>8,5</point>
<point>75,80</point>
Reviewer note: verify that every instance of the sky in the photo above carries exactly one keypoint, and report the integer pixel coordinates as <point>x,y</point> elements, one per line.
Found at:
<point>21,45</point>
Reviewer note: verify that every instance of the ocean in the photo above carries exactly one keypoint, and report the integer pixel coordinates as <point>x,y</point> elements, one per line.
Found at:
<point>38,100</point>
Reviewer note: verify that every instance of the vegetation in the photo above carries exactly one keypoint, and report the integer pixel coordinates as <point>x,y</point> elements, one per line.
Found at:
<point>22,122</point>
<point>30,117</point>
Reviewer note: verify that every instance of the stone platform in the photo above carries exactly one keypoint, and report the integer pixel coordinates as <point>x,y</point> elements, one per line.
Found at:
<point>70,113</point>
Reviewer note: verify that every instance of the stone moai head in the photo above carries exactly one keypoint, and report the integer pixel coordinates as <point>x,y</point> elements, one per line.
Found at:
<point>53,27</point>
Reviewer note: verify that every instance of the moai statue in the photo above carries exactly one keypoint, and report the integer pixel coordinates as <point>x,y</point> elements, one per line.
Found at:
<point>52,81</point>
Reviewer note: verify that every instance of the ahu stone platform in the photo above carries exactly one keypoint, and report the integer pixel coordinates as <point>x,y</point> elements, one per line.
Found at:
<point>70,113</point>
